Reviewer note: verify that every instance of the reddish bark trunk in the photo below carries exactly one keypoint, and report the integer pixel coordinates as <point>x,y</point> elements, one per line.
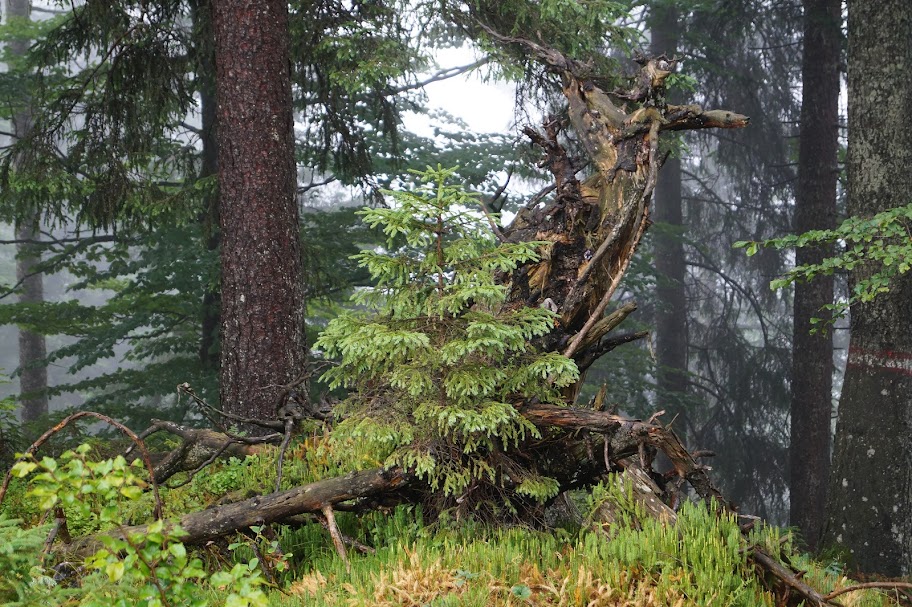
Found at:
<point>262,295</point>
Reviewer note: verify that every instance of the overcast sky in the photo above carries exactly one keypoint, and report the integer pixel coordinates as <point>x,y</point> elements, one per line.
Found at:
<point>485,107</point>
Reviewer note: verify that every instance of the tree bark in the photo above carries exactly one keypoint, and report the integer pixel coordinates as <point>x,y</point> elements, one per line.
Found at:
<point>33,379</point>
<point>671,295</point>
<point>815,209</point>
<point>262,328</point>
<point>870,505</point>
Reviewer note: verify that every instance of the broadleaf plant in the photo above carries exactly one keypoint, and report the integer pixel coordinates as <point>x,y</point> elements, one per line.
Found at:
<point>434,361</point>
<point>880,246</point>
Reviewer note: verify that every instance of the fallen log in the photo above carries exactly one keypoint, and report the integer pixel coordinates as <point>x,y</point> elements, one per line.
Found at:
<point>210,524</point>
<point>200,447</point>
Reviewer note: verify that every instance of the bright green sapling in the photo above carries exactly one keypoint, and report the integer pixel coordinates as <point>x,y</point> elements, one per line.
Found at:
<point>434,360</point>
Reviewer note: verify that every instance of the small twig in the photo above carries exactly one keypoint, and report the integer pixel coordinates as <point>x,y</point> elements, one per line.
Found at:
<point>500,191</point>
<point>537,198</point>
<point>335,534</point>
<point>264,565</point>
<point>263,423</point>
<point>487,212</point>
<point>443,74</point>
<point>606,345</point>
<point>289,427</point>
<point>316,184</point>
<point>362,548</point>
<point>60,528</point>
<point>868,585</point>
<point>655,416</point>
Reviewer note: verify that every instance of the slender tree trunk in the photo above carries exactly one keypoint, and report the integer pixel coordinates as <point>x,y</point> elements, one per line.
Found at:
<point>262,328</point>
<point>211,312</point>
<point>815,209</point>
<point>32,346</point>
<point>870,504</point>
<point>671,312</point>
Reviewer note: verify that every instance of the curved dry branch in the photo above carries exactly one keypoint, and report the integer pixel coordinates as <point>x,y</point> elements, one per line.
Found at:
<point>63,424</point>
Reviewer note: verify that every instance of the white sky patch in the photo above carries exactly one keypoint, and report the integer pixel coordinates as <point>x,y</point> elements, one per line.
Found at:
<point>486,107</point>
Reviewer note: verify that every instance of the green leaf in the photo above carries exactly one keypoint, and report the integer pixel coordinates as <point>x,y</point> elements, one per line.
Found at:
<point>521,591</point>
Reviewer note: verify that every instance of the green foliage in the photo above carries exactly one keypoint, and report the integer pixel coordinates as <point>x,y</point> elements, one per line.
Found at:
<point>117,157</point>
<point>878,249</point>
<point>581,29</point>
<point>20,549</point>
<point>700,555</point>
<point>697,561</point>
<point>152,568</point>
<point>473,565</point>
<point>449,359</point>
<point>148,297</point>
<point>10,434</point>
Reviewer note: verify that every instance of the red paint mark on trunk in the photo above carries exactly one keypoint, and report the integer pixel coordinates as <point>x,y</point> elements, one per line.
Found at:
<point>881,360</point>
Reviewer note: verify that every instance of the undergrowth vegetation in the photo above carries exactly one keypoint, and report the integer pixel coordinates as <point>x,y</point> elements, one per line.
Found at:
<point>406,560</point>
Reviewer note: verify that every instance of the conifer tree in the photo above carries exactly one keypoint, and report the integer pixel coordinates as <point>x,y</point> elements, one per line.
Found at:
<point>437,365</point>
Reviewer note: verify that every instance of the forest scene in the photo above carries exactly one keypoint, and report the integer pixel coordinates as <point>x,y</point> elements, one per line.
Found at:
<point>455,303</point>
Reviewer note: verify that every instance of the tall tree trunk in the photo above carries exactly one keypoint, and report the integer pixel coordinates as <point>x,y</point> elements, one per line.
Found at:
<point>262,327</point>
<point>815,209</point>
<point>870,505</point>
<point>671,313</point>
<point>32,346</point>
<point>211,312</point>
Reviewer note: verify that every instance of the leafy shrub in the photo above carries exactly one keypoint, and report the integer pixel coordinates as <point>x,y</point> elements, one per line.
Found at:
<point>151,568</point>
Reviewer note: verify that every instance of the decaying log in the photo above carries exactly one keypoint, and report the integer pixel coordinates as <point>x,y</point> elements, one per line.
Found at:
<point>210,524</point>
<point>624,437</point>
<point>200,447</point>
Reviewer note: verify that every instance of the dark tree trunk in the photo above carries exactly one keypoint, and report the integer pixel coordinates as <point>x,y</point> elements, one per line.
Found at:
<point>671,312</point>
<point>32,346</point>
<point>211,313</point>
<point>262,328</point>
<point>815,209</point>
<point>870,504</point>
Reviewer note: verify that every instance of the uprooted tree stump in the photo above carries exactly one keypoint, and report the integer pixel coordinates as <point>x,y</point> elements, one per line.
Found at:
<point>592,228</point>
